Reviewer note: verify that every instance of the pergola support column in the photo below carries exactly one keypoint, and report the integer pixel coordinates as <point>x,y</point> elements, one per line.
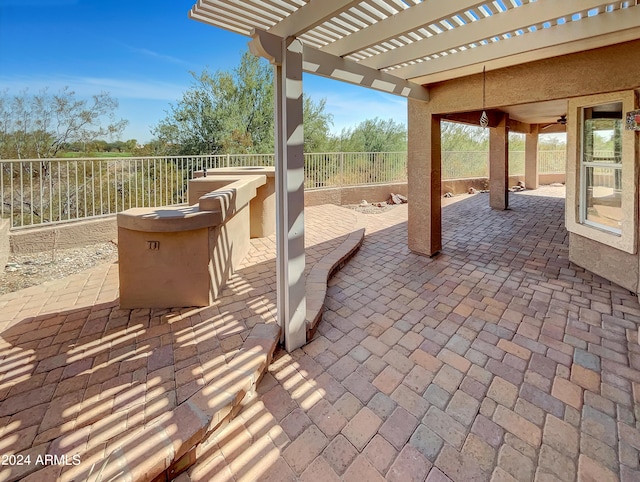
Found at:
<point>424,179</point>
<point>289,140</point>
<point>286,57</point>
<point>531,169</point>
<point>499,164</point>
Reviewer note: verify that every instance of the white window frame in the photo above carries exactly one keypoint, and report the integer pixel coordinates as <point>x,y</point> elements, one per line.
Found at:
<point>583,176</point>
<point>626,238</point>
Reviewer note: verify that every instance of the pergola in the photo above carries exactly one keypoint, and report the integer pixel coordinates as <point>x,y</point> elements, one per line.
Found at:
<point>400,47</point>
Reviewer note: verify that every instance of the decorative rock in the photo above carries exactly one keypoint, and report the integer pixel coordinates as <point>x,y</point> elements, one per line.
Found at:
<point>472,190</point>
<point>448,194</point>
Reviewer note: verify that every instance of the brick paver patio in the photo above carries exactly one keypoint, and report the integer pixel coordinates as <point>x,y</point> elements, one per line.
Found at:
<point>496,360</point>
<point>78,375</point>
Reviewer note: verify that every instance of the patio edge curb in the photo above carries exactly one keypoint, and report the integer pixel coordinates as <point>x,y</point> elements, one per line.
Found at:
<point>323,270</point>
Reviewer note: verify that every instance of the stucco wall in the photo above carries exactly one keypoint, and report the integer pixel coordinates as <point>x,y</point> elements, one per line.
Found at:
<point>556,78</point>
<point>4,242</point>
<point>60,236</point>
<point>353,194</point>
<point>610,263</point>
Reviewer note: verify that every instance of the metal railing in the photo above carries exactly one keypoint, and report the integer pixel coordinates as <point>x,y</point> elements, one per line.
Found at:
<point>46,191</point>
<point>552,162</point>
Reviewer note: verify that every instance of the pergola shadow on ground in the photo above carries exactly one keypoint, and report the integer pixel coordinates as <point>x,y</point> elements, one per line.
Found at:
<point>82,380</point>
<point>498,359</point>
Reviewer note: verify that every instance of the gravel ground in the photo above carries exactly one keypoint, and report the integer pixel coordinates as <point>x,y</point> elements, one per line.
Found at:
<point>30,269</point>
<point>370,208</point>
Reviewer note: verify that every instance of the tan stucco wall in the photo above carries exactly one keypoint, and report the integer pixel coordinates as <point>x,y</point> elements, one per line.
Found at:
<point>263,205</point>
<point>4,241</point>
<point>353,194</point>
<point>610,263</point>
<point>585,73</point>
<point>149,278</point>
<point>60,236</point>
<point>552,178</point>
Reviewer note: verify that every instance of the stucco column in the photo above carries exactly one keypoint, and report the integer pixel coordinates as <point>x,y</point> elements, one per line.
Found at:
<point>499,164</point>
<point>424,179</point>
<point>531,178</point>
<point>289,140</point>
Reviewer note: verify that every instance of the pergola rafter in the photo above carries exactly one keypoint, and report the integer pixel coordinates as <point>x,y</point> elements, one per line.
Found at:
<point>430,40</point>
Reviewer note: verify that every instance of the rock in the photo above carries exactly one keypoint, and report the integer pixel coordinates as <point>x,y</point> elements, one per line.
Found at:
<point>556,184</point>
<point>395,199</point>
<point>448,194</point>
<point>472,190</point>
<point>521,184</point>
<point>363,203</point>
<point>402,198</point>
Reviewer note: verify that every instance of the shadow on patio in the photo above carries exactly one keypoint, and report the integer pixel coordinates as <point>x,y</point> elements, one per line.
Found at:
<point>84,381</point>
<point>496,360</point>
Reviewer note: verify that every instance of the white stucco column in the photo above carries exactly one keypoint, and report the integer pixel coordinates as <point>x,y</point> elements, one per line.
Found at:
<point>424,179</point>
<point>289,142</point>
<point>499,164</point>
<point>531,171</point>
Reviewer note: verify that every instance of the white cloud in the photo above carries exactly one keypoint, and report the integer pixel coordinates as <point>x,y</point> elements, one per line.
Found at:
<point>152,54</point>
<point>86,86</point>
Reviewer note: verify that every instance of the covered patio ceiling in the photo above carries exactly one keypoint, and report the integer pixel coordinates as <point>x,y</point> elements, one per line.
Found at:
<point>392,45</point>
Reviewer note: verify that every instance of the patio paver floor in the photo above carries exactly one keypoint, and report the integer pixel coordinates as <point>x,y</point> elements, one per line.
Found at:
<point>77,374</point>
<point>496,360</point>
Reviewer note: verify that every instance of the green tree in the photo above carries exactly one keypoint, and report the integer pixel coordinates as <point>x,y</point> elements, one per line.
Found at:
<point>41,125</point>
<point>374,135</point>
<point>552,142</point>
<point>463,137</point>
<point>232,112</point>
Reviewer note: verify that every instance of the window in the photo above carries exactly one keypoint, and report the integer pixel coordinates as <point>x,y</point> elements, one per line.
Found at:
<point>601,167</point>
<point>602,178</point>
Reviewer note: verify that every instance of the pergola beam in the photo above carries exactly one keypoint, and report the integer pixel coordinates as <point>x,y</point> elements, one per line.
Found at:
<point>614,27</point>
<point>495,25</point>
<point>327,65</point>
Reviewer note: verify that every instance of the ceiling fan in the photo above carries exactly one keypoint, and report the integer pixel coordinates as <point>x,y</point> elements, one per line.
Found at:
<point>562,120</point>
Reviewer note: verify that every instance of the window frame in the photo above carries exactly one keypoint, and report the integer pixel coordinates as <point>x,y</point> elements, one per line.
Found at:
<point>584,165</point>
<point>626,239</point>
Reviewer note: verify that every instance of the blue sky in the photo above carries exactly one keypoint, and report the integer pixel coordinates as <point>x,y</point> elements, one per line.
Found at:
<point>141,52</point>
